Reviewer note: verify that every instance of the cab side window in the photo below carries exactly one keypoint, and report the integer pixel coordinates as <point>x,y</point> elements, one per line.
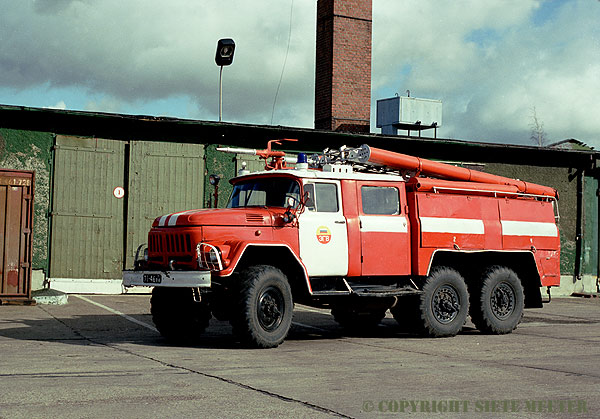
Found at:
<point>380,200</point>
<point>322,197</point>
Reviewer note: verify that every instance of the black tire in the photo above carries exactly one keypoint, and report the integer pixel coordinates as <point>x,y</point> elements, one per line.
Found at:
<point>407,313</point>
<point>264,307</point>
<point>176,314</point>
<point>497,305</point>
<point>444,303</point>
<point>356,319</point>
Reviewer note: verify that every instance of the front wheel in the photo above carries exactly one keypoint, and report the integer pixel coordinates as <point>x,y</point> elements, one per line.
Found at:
<point>444,303</point>
<point>498,306</point>
<point>264,307</point>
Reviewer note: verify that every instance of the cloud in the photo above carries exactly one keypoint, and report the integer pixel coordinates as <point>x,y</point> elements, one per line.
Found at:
<point>148,50</point>
<point>489,61</point>
<point>60,105</point>
<point>104,104</point>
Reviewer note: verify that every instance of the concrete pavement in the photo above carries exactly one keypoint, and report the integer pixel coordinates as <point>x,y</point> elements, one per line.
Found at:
<point>100,356</point>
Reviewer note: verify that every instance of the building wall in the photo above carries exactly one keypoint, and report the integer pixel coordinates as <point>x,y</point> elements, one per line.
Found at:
<point>96,230</point>
<point>71,221</point>
<point>222,164</point>
<point>31,150</point>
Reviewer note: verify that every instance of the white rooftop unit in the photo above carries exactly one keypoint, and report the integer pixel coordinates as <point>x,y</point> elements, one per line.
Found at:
<point>409,113</point>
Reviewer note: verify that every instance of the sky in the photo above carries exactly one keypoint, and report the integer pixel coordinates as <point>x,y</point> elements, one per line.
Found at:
<point>494,64</point>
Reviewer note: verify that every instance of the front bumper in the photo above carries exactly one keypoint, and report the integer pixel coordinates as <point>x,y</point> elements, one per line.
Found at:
<point>182,279</point>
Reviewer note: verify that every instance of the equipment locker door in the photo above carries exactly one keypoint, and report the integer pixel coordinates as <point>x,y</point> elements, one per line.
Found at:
<point>323,232</point>
<point>385,240</point>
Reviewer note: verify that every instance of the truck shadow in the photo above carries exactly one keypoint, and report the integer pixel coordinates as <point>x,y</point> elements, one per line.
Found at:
<point>110,329</point>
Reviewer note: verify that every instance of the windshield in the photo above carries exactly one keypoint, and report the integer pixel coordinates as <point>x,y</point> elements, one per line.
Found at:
<point>265,192</point>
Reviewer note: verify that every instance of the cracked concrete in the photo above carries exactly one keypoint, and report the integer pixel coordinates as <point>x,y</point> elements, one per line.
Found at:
<point>99,356</point>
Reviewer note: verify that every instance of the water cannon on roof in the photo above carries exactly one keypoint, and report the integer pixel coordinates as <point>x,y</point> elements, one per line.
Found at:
<point>278,158</point>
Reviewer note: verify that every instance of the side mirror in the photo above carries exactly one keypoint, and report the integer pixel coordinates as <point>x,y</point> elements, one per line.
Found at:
<point>308,202</point>
<point>288,216</point>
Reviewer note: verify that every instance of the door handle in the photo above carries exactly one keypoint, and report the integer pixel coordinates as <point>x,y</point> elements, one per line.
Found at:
<point>340,222</point>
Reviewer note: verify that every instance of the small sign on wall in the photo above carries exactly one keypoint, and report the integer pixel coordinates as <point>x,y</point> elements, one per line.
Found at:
<point>119,192</point>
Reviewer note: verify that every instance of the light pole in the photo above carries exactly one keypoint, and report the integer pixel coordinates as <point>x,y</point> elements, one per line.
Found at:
<point>223,57</point>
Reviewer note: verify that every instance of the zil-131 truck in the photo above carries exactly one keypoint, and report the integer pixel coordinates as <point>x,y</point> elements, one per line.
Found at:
<point>359,231</point>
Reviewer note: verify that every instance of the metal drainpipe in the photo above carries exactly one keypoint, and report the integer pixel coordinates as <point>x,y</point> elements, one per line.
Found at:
<point>49,212</point>
<point>125,215</point>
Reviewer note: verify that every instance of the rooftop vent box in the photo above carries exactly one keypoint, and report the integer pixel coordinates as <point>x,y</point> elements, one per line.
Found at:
<point>410,113</point>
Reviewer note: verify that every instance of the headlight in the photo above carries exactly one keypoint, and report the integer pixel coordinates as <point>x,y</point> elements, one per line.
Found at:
<point>141,256</point>
<point>213,256</point>
<point>209,257</point>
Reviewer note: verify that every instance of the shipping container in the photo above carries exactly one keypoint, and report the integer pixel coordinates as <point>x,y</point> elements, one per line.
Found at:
<point>16,226</point>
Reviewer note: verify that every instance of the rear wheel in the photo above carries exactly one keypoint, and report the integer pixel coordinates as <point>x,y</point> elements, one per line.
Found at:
<point>497,306</point>
<point>177,315</point>
<point>444,303</point>
<point>264,307</point>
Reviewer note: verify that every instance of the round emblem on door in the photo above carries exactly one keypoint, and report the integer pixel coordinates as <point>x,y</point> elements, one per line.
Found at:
<point>323,235</point>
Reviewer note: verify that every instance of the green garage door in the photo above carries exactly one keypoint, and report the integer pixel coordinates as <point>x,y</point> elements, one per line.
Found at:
<point>87,217</point>
<point>163,178</point>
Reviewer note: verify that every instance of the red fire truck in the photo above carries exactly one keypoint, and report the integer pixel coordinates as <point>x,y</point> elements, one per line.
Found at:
<point>360,231</point>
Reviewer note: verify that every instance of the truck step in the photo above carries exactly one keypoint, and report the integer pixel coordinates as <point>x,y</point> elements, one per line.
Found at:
<point>369,290</point>
<point>331,292</point>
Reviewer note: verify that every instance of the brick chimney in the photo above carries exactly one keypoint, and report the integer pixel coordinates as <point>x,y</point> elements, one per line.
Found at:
<point>343,65</point>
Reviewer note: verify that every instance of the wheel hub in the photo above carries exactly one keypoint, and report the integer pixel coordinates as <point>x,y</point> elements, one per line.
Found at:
<point>503,300</point>
<point>445,304</point>
<point>270,309</point>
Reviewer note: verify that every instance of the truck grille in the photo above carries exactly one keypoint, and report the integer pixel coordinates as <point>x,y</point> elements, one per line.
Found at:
<point>169,242</point>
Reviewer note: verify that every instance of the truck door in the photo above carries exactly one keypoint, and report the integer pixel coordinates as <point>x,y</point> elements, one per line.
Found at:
<point>385,240</point>
<point>323,232</point>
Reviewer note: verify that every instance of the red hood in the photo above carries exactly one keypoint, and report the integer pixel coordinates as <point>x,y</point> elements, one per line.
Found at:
<point>216,217</point>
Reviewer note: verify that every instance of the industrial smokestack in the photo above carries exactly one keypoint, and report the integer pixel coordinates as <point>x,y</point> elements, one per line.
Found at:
<point>343,65</point>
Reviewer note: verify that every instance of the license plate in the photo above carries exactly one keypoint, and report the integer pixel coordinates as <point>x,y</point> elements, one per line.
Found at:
<point>152,278</point>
